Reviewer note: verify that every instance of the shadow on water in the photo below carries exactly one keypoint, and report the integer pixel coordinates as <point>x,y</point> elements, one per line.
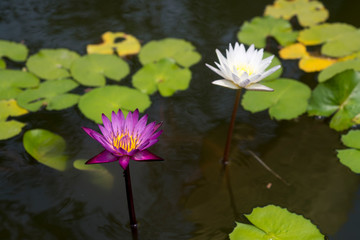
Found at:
<point>185,196</point>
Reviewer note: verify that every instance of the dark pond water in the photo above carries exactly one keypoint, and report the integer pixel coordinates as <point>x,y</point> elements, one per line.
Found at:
<point>185,196</point>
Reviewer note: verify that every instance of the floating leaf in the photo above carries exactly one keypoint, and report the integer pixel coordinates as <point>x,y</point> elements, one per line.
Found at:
<point>183,52</point>
<point>289,99</point>
<point>46,147</point>
<point>12,82</point>
<point>99,174</point>
<point>256,31</point>
<point>315,64</point>
<point>128,46</point>
<point>351,157</point>
<point>163,75</point>
<point>308,12</point>
<point>338,68</point>
<point>339,95</point>
<point>10,108</point>
<point>273,222</point>
<point>91,70</point>
<point>112,98</point>
<point>9,129</point>
<point>339,39</point>
<point>322,33</point>
<point>15,51</point>
<point>293,51</point>
<point>51,64</point>
<point>52,94</point>
<point>2,64</point>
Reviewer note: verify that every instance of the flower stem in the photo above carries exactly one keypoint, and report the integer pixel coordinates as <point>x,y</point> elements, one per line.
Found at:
<point>130,201</point>
<point>225,159</point>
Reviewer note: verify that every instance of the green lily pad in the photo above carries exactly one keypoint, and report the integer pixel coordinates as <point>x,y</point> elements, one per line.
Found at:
<point>183,52</point>
<point>112,98</point>
<point>308,12</point>
<point>256,31</point>
<point>273,63</point>
<point>339,95</point>
<point>351,139</point>
<point>91,70</point>
<point>51,64</point>
<point>46,147</point>
<point>273,222</point>
<point>2,64</point>
<point>15,51</point>
<point>52,94</point>
<point>12,82</point>
<point>339,39</point>
<point>322,33</point>
<point>99,175</point>
<point>288,101</point>
<point>164,75</point>
<point>9,129</point>
<point>350,158</point>
<point>10,108</point>
<point>337,68</point>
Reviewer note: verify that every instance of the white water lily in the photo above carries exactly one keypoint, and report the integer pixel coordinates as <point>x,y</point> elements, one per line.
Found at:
<point>243,69</point>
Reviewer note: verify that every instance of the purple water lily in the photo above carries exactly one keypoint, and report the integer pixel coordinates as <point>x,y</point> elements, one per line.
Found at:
<point>125,139</point>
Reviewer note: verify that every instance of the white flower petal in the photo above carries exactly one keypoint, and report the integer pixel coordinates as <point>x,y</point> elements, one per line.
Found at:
<point>225,83</point>
<point>268,72</point>
<point>215,70</point>
<point>259,87</point>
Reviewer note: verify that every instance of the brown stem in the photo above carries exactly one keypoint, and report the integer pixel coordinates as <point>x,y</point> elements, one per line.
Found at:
<point>225,160</point>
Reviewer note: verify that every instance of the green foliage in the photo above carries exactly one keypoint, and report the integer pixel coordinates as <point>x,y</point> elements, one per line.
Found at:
<point>2,64</point>
<point>9,129</point>
<point>164,75</point>
<point>273,222</point>
<point>12,82</point>
<point>289,99</point>
<point>339,39</point>
<point>99,175</point>
<point>52,94</point>
<point>51,64</point>
<point>15,51</point>
<point>183,52</point>
<point>339,95</point>
<point>337,68</point>
<point>91,70</point>
<point>308,12</point>
<point>46,147</point>
<point>111,98</point>
<point>256,31</point>
<point>351,157</point>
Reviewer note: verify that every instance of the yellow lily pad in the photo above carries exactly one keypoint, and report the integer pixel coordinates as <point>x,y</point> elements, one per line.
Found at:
<point>308,12</point>
<point>10,108</point>
<point>315,64</point>
<point>293,51</point>
<point>129,45</point>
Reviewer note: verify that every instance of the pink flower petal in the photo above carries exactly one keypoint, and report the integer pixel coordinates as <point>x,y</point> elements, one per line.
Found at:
<point>103,157</point>
<point>145,155</point>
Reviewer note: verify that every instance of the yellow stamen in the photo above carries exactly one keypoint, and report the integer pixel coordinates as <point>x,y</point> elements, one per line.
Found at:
<point>125,141</point>
<point>245,68</point>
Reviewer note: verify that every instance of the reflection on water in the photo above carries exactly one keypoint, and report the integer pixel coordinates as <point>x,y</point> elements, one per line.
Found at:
<point>183,197</point>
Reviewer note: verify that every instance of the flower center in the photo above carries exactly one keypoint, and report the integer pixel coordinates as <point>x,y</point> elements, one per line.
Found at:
<point>244,68</point>
<point>125,141</point>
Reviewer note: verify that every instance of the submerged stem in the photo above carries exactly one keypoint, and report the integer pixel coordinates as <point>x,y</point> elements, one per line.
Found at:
<point>130,201</point>
<point>225,159</point>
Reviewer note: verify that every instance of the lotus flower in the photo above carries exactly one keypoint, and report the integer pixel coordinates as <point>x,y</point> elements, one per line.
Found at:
<point>125,139</point>
<point>243,69</point>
